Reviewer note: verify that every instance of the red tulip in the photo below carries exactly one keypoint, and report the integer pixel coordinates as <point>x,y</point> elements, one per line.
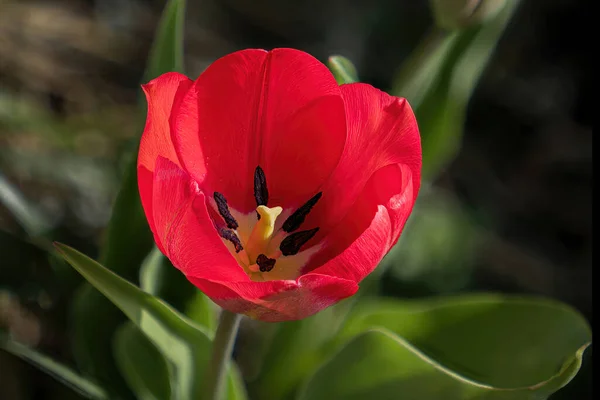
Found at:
<point>272,188</point>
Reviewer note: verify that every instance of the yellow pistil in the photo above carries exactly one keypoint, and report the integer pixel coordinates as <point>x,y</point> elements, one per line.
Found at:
<point>263,230</point>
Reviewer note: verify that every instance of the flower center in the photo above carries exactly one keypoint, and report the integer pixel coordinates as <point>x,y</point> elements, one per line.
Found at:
<point>255,240</point>
<point>262,232</point>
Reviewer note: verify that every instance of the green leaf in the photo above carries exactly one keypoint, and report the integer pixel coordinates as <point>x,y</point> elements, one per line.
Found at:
<point>342,69</point>
<point>420,74</point>
<point>161,279</point>
<point>459,14</point>
<point>466,348</point>
<point>286,353</point>
<point>185,345</point>
<point>94,320</point>
<point>167,50</point>
<point>59,371</point>
<point>439,79</point>
<point>296,349</point>
<point>30,218</point>
<point>236,390</point>
<point>201,310</point>
<point>144,368</point>
<point>128,238</point>
<point>151,271</point>
<point>380,365</point>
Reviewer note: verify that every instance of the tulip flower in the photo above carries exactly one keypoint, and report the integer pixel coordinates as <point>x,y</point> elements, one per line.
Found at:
<point>272,188</point>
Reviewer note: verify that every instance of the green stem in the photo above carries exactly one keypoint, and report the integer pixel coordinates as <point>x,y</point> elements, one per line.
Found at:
<point>221,353</point>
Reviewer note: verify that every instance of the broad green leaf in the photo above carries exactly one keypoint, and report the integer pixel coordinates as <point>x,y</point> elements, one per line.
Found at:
<point>377,364</point>
<point>285,354</point>
<point>342,69</point>
<point>59,371</point>
<point>160,278</point>
<point>468,348</point>
<point>185,345</point>
<point>439,79</point>
<point>142,365</point>
<point>30,218</point>
<point>128,238</point>
<point>296,348</point>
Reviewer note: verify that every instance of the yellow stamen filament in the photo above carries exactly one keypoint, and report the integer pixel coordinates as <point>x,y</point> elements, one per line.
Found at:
<point>263,230</point>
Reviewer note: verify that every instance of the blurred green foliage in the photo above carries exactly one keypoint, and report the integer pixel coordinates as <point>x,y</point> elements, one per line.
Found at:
<point>128,239</point>
<point>477,347</point>
<point>438,246</point>
<point>184,344</point>
<point>143,367</point>
<point>459,14</point>
<point>62,373</point>
<point>439,79</point>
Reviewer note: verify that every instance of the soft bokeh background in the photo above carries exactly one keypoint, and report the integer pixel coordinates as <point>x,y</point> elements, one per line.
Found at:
<point>511,213</point>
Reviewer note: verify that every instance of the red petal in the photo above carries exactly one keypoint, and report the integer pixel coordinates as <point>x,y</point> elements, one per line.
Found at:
<point>281,110</point>
<point>184,228</point>
<point>276,301</point>
<point>187,234</point>
<point>145,185</point>
<point>163,95</point>
<point>382,131</point>
<point>372,226</point>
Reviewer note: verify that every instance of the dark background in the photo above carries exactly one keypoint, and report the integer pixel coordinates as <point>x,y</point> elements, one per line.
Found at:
<point>69,85</point>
